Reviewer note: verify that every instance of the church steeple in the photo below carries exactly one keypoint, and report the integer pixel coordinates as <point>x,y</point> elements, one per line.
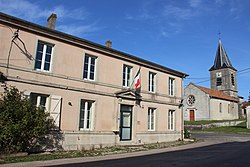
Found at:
<point>223,74</point>
<point>221,59</point>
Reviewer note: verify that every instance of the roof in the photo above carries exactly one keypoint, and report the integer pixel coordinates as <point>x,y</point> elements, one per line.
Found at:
<point>221,59</point>
<point>245,104</point>
<point>217,94</point>
<point>80,42</point>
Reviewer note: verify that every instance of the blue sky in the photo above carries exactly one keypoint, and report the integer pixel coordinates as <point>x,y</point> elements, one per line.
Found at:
<point>179,34</point>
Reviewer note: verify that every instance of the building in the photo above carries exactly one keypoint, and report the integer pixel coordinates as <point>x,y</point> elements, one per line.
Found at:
<point>86,87</point>
<point>248,116</point>
<point>207,104</point>
<point>221,101</point>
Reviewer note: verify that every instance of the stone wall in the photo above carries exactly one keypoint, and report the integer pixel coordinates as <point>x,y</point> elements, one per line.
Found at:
<point>206,126</point>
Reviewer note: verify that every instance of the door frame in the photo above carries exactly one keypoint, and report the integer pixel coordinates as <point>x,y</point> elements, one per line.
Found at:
<point>193,115</point>
<point>122,125</point>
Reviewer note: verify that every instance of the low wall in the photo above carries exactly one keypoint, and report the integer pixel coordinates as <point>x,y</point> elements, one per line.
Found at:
<point>92,140</point>
<point>156,137</point>
<point>88,141</point>
<point>206,126</point>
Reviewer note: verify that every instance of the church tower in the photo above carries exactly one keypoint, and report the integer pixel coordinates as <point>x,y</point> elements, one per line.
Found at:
<point>223,74</point>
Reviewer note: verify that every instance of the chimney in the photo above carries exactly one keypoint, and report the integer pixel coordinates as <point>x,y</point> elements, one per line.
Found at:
<point>108,44</point>
<point>52,21</point>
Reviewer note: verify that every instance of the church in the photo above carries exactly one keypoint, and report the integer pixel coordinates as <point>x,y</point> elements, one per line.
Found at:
<point>221,100</point>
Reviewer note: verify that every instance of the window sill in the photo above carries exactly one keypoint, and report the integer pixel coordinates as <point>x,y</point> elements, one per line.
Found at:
<point>42,71</point>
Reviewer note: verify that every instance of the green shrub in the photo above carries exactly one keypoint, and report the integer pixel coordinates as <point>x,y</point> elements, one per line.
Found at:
<point>22,125</point>
<point>187,134</point>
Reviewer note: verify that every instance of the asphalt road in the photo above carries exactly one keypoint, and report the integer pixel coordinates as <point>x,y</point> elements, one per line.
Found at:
<point>222,150</point>
<point>227,150</point>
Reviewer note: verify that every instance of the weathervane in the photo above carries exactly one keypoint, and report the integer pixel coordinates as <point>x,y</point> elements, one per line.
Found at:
<point>219,34</point>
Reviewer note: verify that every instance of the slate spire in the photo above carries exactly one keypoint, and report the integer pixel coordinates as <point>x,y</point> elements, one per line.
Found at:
<point>221,59</point>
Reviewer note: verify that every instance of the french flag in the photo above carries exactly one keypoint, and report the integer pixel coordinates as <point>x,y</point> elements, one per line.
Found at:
<point>137,79</point>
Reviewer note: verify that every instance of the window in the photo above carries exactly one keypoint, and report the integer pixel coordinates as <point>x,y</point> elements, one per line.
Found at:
<point>126,76</point>
<point>151,82</point>
<point>232,79</point>
<point>86,111</point>
<point>218,79</point>
<point>89,67</point>
<point>190,100</point>
<point>171,119</point>
<point>151,119</point>
<point>229,108</point>
<point>43,56</point>
<point>50,104</point>
<point>171,86</point>
<point>220,107</point>
<point>40,100</point>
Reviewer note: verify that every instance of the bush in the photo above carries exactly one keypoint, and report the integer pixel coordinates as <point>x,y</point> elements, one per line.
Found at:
<point>187,134</point>
<point>22,125</point>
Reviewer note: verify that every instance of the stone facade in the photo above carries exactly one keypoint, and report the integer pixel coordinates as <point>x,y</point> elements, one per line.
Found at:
<point>207,105</point>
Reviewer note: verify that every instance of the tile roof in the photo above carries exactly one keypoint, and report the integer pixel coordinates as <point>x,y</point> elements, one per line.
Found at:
<point>217,94</point>
<point>245,104</point>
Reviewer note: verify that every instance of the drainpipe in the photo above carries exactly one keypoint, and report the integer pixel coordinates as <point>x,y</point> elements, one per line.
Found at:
<point>182,115</point>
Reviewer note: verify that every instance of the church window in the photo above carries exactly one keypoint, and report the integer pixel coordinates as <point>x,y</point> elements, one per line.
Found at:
<point>220,107</point>
<point>190,100</point>
<point>232,79</point>
<point>218,79</point>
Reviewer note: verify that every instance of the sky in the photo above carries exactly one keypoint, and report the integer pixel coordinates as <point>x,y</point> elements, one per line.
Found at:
<point>179,34</point>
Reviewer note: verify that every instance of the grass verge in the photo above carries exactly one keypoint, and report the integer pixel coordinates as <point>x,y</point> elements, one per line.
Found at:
<point>239,129</point>
<point>89,153</point>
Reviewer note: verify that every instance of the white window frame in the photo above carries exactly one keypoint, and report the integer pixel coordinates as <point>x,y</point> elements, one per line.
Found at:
<point>45,45</point>
<point>87,125</point>
<point>127,80</point>
<point>90,57</point>
<point>52,106</point>
<point>152,82</point>
<point>171,86</point>
<point>171,119</point>
<point>38,100</point>
<point>151,119</point>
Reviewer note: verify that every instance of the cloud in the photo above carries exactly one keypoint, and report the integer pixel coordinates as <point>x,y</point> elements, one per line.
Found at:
<point>195,3</point>
<point>145,12</point>
<point>177,12</point>
<point>20,8</point>
<point>33,12</point>
<point>77,30</point>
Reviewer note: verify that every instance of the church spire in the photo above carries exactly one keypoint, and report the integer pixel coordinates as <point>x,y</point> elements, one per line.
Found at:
<point>223,74</point>
<point>221,59</point>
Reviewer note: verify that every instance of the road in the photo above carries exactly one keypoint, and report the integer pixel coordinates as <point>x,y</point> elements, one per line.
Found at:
<point>222,150</point>
<point>228,150</point>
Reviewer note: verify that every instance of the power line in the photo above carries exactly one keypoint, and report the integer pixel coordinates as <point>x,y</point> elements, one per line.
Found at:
<point>243,71</point>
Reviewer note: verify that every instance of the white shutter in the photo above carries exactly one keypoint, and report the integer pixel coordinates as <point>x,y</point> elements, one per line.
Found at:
<point>55,109</point>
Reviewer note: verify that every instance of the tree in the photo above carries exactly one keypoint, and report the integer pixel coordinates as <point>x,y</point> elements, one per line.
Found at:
<point>22,125</point>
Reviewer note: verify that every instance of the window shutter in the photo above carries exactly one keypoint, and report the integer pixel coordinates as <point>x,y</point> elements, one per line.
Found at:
<point>55,109</point>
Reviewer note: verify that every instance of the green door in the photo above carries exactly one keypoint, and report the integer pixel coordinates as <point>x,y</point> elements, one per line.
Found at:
<point>125,122</point>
